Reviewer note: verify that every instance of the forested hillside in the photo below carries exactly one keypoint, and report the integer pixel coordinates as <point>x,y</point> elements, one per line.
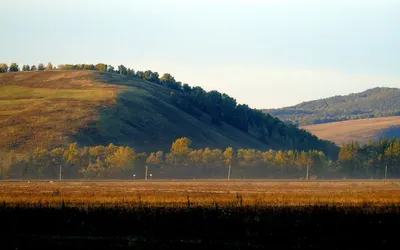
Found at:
<point>51,107</point>
<point>377,102</point>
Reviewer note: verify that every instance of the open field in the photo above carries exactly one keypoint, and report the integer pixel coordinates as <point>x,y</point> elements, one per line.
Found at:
<point>362,130</point>
<point>200,214</point>
<point>201,193</point>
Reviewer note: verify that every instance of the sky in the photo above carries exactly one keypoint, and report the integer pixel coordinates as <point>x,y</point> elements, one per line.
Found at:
<point>265,53</point>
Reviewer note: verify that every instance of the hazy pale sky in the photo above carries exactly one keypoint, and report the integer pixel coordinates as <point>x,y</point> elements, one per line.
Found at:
<point>267,54</point>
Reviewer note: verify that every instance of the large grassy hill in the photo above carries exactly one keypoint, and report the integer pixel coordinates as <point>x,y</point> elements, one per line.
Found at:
<point>54,108</point>
<point>377,102</point>
<point>362,130</point>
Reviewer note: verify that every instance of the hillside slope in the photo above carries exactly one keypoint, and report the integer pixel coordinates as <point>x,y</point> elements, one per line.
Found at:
<point>377,102</point>
<point>362,130</point>
<point>54,108</point>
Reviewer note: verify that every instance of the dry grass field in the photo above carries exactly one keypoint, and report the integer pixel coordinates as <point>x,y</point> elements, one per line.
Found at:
<point>200,215</point>
<point>362,130</point>
<point>203,194</point>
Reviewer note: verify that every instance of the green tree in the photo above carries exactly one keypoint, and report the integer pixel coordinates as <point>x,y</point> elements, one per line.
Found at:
<point>101,67</point>
<point>151,76</point>
<point>88,67</point>
<point>168,81</point>
<point>213,106</point>
<point>122,70</point>
<point>186,89</point>
<point>26,68</point>
<point>110,69</point>
<point>41,66</point>
<point>130,72</point>
<point>3,67</point>
<point>392,157</point>
<point>13,67</point>
<point>140,74</point>
<point>33,68</point>
<point>67,67</point>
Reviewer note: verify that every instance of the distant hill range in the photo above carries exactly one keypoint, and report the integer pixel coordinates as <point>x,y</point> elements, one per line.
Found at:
<point>57,107</point>
<point>376,102</point>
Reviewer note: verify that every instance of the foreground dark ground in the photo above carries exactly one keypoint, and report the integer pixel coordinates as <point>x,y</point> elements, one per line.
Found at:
<point>313,227</point>
<point>200,215</point>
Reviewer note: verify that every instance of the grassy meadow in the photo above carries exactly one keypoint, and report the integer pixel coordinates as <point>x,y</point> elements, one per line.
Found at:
<point>199,214</point>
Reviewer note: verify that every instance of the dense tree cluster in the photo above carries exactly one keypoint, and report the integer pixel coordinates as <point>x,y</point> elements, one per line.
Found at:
<point>377,102</point>
<point>87,162</point>
<point>370,160</point>
<point>182,161</point>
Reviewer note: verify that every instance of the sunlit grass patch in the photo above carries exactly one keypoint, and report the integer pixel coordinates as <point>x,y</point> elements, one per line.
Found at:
<point>10,93</point>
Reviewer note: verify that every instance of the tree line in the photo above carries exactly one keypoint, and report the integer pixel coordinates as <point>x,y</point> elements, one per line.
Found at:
<point>219,106</point>
<point>14,67</point>
<point>374,159</point>
<point>354,161</point>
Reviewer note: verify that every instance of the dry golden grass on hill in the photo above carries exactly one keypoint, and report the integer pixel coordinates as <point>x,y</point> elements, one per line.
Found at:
<point>39,109</point>
<point>56,108</point>
<point>207,193</point>
<point>362,130</point>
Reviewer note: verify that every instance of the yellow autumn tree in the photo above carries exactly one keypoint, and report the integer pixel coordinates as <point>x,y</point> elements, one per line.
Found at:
<point>156,159</point>
<point>181,147</point>
<point>229,156</point>
<point>122,159</point>
<point>180,151</point>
